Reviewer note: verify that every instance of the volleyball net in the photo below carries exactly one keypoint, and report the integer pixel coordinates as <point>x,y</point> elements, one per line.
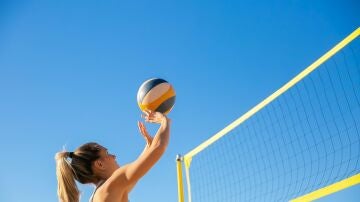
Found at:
<point>299,144</point>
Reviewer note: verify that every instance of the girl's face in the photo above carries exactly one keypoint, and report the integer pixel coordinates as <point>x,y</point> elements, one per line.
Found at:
<point>108,159</point>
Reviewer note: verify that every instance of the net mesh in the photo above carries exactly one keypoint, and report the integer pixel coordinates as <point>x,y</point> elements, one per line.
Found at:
<point>306,139</point>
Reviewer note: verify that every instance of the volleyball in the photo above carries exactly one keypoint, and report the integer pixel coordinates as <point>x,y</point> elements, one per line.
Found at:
<point>156,95</point>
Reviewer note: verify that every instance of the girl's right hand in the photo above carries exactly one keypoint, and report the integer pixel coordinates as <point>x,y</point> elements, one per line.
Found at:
<point>153,117</point>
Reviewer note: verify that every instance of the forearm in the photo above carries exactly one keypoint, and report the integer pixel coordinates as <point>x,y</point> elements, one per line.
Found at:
<point>161,139</point>
<point>146,148</point>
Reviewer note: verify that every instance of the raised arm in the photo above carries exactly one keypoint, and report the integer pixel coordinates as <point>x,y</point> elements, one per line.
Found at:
<point>132,172</point>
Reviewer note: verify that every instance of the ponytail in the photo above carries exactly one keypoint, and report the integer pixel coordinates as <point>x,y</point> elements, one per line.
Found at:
<point>67,188</point>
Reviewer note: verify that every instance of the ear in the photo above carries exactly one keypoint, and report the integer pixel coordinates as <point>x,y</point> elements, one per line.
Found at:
<point>99,164</point>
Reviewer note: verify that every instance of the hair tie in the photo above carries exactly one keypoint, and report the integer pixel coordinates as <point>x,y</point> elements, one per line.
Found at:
<point>71,154</point>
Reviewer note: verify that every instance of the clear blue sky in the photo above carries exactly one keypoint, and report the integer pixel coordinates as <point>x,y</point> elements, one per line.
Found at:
<point>70,70</point>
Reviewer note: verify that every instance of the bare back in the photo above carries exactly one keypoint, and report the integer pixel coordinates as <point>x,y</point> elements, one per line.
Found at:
<point>102,195</point>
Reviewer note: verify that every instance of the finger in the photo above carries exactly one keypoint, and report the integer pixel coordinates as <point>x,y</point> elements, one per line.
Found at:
<point>151,113</point>
<point>144,131</point>
<point>150,121</point>
<point>142,127</point>
<point>139,126</point>
<point>144,115</point>
<point>146,134</point>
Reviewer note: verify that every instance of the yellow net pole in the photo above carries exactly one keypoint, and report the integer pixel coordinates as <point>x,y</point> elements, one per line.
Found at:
<point>179,178</point>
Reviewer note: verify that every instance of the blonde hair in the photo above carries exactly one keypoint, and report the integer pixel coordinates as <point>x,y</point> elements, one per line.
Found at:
<point>67,188</point>
<point>77,165</point>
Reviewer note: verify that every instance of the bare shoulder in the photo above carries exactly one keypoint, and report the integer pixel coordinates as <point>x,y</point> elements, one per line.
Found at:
<point>114,189</point>
<point>118,179</point>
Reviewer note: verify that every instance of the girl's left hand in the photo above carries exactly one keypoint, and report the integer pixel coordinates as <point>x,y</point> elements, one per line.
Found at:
<point>145,134</point>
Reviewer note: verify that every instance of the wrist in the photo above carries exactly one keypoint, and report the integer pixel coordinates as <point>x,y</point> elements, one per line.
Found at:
<point>165,120</point>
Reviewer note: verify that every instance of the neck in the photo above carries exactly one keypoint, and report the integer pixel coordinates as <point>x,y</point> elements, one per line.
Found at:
<point>99,183</point>
<point>104,176</point>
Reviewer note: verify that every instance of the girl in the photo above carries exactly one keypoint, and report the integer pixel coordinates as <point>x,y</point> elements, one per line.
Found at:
<point>92,164</point>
